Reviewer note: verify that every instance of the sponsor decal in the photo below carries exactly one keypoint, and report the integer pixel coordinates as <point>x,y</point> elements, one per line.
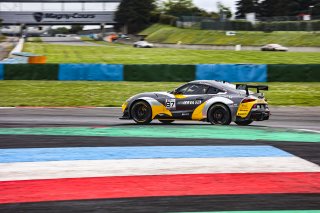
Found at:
<point>39,17</point>
<point>197,102</point>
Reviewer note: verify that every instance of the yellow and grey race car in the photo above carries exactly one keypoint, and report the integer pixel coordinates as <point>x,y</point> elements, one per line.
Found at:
<point>217,102</point>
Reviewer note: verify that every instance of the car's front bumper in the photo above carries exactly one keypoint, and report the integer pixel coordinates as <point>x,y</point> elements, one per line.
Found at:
<point>125,111</point>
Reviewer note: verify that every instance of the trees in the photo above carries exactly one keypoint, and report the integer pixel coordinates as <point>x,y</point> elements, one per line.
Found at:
<point>134,14</point>
<point>224,11</point>
<point>247,6</point>
<point>180,8</point>
<point>270,8</point>
<point>75,29</point>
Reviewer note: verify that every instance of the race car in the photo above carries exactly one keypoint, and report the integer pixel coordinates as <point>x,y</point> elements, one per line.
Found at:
<point>143,44</point>
<point>274,47</point>
<point>217,102</point>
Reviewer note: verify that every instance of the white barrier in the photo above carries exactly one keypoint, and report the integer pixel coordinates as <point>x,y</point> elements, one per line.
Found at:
<point>18,48</point>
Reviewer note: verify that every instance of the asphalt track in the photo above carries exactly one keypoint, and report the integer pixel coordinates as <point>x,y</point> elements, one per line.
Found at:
<point>298,118</point>
<point>71,41</point>
<point>75,41</point>
<point>296,189</point>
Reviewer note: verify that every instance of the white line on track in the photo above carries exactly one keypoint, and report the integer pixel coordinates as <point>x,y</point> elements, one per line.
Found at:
<point>169,166</point>
<point>308,130</point>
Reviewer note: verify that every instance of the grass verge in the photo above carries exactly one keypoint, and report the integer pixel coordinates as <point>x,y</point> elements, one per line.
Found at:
<point>82,93</point>
<point>2,38</point>
<point>34,39</point>
<point>125,54</point>
<point>169,34</point>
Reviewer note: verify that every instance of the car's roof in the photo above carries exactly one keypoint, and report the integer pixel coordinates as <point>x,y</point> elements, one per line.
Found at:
<point>273,45</point>
<point>217,84</point>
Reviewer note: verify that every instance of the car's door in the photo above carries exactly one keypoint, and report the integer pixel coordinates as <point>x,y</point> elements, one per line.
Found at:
<point>187,99</point>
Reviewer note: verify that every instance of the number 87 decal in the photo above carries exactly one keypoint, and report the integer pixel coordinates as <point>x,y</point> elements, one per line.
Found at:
<point>170,103</point>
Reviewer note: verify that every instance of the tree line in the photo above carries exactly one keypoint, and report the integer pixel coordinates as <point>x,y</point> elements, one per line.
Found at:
<point>272,8</point>
<point>135,15</point>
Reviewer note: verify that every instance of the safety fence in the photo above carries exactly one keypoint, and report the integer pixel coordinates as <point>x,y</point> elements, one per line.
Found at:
<point>162,72</point>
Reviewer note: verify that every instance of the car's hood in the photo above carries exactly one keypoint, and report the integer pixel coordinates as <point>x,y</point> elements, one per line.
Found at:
<point>152,95</point>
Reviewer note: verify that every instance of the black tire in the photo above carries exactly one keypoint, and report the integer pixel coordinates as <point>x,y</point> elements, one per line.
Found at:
<point>141,112</point>
<point>166,121</point>
<point>244,123</point>
<point>219,114</point>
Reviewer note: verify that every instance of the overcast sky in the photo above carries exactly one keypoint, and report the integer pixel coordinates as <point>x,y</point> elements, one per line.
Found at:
<point>209,5</point>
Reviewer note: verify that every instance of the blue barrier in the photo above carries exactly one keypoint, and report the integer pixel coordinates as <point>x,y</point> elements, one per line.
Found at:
<point>90,72</point>
<point>1,72</point>
<point>232,72</point>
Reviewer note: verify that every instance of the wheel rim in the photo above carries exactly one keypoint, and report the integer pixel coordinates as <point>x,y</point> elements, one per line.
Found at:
<point>140,112</point>
<point>219,116</point>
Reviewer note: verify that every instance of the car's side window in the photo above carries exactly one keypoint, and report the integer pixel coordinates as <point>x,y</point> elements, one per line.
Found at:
<point>183,89</point>
<point>213,90</point>
<point>197,89</point>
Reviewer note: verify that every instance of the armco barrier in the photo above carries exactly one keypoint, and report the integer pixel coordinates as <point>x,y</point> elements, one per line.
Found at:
<point>90,72</point>
<point>159,72</point>
<point>31,71</point>
<point>1,71</point>
<point>232,72</point>
<point>162,72</point>
<point>294,73</point>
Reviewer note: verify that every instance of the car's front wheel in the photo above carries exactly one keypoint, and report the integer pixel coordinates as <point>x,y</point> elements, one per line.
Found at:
<point>166,121</point>
<point>244,123</point>
<point>219,114</point>
<point>141,112</point>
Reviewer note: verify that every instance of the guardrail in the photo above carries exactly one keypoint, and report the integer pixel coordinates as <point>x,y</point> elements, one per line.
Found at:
<point>162,72</point>
<point>16,56</point>
<point>18,48</point>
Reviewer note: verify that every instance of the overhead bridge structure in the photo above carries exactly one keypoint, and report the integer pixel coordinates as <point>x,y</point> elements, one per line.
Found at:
<point>66,12</point>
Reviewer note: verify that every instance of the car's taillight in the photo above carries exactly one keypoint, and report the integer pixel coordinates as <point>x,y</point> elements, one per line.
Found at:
<point>254,106</point>
<point>247,100</point>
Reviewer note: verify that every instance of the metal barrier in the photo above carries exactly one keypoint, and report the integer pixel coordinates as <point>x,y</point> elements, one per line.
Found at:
<point>162,72</point>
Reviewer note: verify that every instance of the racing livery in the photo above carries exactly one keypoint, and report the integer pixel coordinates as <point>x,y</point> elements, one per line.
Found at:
<point>217,102</point>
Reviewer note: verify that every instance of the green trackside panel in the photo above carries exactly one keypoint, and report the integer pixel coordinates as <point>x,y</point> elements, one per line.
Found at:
<point>31,71</point>
<point>159,72</point>
<point>294,73</point>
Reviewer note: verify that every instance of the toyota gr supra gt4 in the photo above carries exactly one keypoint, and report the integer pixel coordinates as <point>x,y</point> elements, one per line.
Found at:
<point>210,101</point>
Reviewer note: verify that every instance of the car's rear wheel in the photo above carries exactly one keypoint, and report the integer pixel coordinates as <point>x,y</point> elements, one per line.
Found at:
<point>219,114</point>
<point>141,112</point>
<point>166,121</point>
<point>244,123</point>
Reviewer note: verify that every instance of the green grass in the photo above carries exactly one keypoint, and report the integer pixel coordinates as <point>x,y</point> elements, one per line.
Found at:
<point>125,54</point>
<point>86,38</point>
<point>81,93</point>
<point>2,38</point>
<point>34,39</point>
<point>168,34</point>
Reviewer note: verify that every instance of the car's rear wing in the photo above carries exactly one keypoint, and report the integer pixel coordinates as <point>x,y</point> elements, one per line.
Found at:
<point>246,87</point>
